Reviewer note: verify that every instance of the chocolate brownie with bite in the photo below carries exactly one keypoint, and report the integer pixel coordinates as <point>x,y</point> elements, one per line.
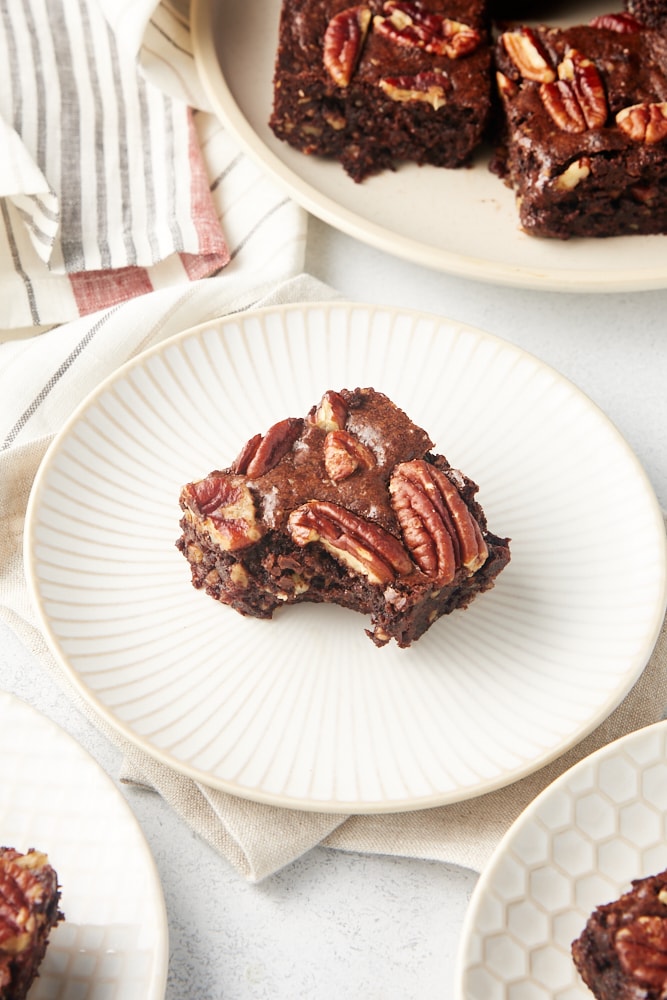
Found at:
<point>346,506</point>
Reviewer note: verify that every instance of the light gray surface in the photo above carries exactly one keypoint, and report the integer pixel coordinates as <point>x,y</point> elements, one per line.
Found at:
<point>335,925</point>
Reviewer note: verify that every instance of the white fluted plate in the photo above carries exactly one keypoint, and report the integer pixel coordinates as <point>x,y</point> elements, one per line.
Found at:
<point>304,710</point>
<point>54,797</point>
<point>577,846</point>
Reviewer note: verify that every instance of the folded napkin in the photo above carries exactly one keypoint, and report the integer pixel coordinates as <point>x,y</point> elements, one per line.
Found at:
<point>56,370</point>
<point>114,180</point>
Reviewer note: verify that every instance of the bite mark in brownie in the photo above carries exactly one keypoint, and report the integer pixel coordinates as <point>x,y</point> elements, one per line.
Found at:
<point>585,127</point>
<point>348,506</point>
<point>622,952</point>
<point>377,84</point>
<point>29,910</point>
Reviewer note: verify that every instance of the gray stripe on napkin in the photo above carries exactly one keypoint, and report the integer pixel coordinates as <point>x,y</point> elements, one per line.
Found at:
<point>18,266</point>
<point>71,194</point>
<point>99,127</point>
<point>53,381</point>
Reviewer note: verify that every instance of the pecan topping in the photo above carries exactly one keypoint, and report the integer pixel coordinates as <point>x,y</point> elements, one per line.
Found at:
<point>262,452</point>
<point>644,122</point>
<point>563,107</point>
<point>573,174</point>
<point>409,23</point>
<point>362,547</point>
<point>228,507</point>
<point>642,950</point>
<point>331,412</point>
<point>622,22</point>
<point>20,892</point>
<point>343,41</point>
<point>438,529</point>
<point>429,87</point>
<point>506,87</point>
<point>344,454</point>
<point>528,55</point>
<point>577,100</point>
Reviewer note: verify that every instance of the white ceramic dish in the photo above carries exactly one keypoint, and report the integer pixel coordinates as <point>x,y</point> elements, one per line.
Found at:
<point>54,797</point>
<point>577,846</point>
<point>304,710</point>
<point>463,222</point>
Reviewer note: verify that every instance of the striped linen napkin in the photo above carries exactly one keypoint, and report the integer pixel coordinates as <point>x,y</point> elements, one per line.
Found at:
<point>112,186</point>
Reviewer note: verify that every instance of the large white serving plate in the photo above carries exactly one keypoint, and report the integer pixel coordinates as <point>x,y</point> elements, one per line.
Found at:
<point>463,222</point>
<point>54,797</point>
<point>305,710</point>
<point>577,846</point>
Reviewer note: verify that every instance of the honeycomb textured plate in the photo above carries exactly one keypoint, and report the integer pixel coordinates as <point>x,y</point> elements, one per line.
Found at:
<point>579,845</point>
<point>55,797</point>
<point>304,710</point>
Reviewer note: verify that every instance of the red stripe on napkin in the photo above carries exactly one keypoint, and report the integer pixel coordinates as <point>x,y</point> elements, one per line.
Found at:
<point>211,239</point>
<point>95,290</point>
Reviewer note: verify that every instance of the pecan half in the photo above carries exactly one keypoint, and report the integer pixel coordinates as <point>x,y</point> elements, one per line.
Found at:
<point>429,87</point>
<point>583,76</point>
<point>343,41</point>
<point>644,122</point>
<point>642,950</point>
<point>508,88</point>
<point>562,106</point>
<point>528,55</point>
<point>228,509</point>
<point>344,454</point>
<point>362,547</point>
<point>438,529</point>
<point>577,100</point>
<point>622,22</point>
<point>409,23</point>
<point>574,174</point>
<point>330,414</point>
<point>262,452</point>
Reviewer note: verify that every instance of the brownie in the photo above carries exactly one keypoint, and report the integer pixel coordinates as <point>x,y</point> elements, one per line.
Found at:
<point>652,13</point>
<point>29,910</point>
<point>584,143</point>
<point>622,951</point>
<point>385,82</point>
<point>348,506</point>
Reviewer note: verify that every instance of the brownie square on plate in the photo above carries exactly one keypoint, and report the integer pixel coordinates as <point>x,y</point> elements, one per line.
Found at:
<point>584,141</point>
<point>376,84</point>
<point>622,952</point>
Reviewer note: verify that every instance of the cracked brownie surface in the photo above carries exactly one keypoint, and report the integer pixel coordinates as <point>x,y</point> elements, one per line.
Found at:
<point>347,505</point>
